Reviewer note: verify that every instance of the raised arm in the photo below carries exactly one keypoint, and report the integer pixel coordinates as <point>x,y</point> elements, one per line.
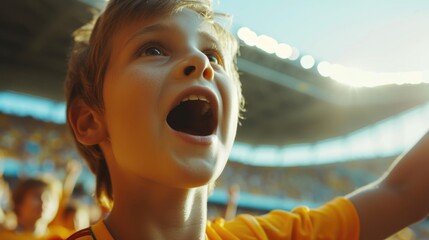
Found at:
<point>397,199</point>
<point>73,171</point>
<point>231,206</point>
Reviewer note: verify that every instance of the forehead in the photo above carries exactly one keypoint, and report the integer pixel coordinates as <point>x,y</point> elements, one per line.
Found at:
<point>185,22</point>
<point>35,192</point>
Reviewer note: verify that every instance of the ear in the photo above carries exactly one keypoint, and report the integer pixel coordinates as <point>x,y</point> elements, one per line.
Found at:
<point>87,124</point>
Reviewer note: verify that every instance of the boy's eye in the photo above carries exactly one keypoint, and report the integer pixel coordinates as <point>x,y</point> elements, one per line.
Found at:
<point>214,58</point>
<point>153,51</point>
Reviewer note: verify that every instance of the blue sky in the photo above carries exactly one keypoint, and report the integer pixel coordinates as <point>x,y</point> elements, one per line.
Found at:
<point>381,36</point>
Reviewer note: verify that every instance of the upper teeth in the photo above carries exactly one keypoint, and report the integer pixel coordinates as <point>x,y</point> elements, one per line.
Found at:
<point>195,97</point>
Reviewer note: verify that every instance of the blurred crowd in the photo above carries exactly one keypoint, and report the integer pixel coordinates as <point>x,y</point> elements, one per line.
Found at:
<point>316,184</point>
<point>43,206</point>
<point>55,198</point>
<point>45,197</point>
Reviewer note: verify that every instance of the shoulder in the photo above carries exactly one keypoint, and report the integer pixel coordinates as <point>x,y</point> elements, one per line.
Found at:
<point>7,234</point>
<point>84,234</point>
<point>336,219</point>
<point>12,235</point>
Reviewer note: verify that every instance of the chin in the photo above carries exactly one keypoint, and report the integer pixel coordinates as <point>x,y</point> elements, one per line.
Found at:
<point>199,177</point>
<point>198,180</point>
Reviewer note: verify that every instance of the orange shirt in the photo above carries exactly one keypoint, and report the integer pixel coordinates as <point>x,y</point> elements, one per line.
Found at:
<point>337,219</point>
<point>12,235</point>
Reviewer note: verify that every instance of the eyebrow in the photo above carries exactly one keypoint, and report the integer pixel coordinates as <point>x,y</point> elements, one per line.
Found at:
<point>210,39</point>
<point>207,37</point>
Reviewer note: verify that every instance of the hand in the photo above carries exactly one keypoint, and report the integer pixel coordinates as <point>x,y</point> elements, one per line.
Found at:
<point>234,192</point>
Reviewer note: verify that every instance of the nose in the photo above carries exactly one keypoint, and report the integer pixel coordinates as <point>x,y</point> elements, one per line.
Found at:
<point>194,65</point>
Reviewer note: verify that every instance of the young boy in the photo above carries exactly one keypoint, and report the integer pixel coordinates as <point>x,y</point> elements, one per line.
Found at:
<point>29,202</point>
<point>154,100</point>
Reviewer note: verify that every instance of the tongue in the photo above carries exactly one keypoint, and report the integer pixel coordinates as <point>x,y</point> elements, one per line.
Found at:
<point>192,117</point>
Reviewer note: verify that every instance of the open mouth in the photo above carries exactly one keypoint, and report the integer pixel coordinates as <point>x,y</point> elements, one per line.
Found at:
<point>194,115</point>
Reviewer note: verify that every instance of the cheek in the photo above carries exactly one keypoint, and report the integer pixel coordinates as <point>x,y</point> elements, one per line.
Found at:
<point>126,112</point>
<point>234,102</point>
<point>128,98</point>
<point>131,105</point>
<point>32,204</point>
<point>234,87</point>
<point>229,92</point>
<point>25,205</point>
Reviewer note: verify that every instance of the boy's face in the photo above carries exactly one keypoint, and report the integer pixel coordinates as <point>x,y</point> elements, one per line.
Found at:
<point>171,108</point>
<point>31,207</point>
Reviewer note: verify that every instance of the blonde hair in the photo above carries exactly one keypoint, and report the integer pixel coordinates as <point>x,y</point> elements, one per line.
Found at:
<point>90,57</point>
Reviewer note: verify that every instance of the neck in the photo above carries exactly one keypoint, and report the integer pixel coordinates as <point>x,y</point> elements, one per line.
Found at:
<point>158,212</point>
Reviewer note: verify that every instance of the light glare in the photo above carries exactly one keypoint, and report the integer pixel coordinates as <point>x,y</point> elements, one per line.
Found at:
<point>307,62</point>
<point>266,43</point>
<point>283,51</point>
<point>295,54</point>
<point>324,68</point>
<point>248,36</point>
<point>344,75</point>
